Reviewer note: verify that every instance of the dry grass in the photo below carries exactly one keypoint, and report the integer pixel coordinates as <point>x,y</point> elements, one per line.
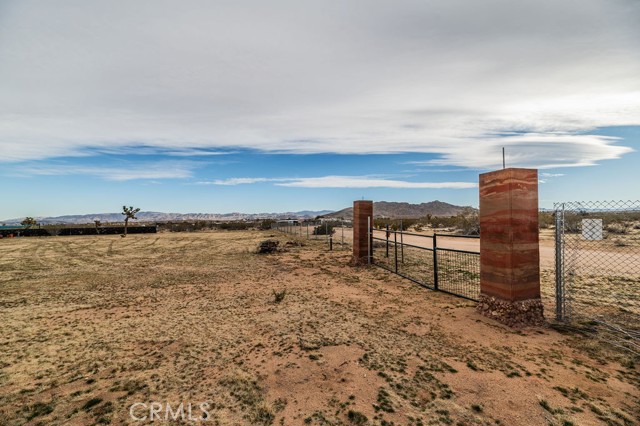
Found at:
<point>91,325</point>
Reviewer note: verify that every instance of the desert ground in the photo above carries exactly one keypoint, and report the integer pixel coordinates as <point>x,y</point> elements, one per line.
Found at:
<point>92,325</point>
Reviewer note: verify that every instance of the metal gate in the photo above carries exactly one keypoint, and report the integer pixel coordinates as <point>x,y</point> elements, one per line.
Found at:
<point>443,262</point>
<point>597,259</point>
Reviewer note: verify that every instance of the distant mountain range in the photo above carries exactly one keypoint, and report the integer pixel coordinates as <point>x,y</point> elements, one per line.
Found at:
<point>380,209</point>
<point>168,217</point>
<point>395,210</point>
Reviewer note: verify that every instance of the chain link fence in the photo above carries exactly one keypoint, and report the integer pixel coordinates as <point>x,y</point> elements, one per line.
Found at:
<point>597,261</point>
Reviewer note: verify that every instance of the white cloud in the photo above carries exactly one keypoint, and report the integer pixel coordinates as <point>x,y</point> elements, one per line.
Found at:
<point>367,182</point>
<point>236,181</point>
<point>343,182</point>
<point>459,78</point>
<point>135,171</point>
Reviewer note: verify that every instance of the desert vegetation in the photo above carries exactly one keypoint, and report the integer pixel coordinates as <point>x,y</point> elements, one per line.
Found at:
<point>29,222</point>
<point>129,213</point>
<point>94,324</point>
<point>466,222</point>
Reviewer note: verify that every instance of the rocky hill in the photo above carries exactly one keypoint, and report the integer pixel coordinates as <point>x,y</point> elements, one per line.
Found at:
<point>395,210</point>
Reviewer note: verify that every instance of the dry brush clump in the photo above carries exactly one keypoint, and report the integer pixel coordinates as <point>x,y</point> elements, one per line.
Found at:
<point>278,296</point>
<point>268,246</point>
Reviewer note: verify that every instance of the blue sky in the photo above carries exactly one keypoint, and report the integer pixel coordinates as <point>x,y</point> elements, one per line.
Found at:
<point>203,106</point>
<point>224,183</point>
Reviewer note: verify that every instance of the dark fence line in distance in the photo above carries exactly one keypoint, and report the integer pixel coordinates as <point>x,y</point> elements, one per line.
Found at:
<point>107,230</point>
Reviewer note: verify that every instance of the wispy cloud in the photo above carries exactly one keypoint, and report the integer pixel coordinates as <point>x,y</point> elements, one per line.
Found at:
<point>544,177</point>
<point>146,150</point>
<point>136,171</point>
<point>237,181</point>
<point>366,182</point>
<point>344,182</point>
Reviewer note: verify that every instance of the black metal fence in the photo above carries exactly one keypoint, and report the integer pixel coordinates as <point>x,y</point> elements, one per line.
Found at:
<point>598,268</point>
<point>421,259</point>
<point>336,233</point>
<point>78,230</point>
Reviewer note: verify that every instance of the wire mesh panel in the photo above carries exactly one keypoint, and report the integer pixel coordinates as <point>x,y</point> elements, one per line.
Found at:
<point>412,256</point>
<point>384,253</point>
<point>459,272</point>
<point>598,265</point>
<point>416,264</point>
<point>411,261</point>
<point>334,232</point>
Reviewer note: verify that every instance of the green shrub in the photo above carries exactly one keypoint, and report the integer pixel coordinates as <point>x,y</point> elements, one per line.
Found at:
<point>327,228</point>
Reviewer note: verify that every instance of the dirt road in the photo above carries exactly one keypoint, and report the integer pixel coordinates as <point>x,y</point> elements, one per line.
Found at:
<point>611,260</point>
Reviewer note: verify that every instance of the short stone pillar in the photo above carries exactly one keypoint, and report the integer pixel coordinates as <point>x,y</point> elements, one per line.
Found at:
<point>509,247</point>
<point>362,213</point>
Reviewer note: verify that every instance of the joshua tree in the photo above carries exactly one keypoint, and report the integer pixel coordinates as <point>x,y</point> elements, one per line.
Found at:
<point>29,222</point>
<point>128,213</point>
<point>97,223</point>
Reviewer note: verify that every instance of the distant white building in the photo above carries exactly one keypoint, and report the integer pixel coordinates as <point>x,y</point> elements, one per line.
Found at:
<point>288,222</point>
<point>592,229</point>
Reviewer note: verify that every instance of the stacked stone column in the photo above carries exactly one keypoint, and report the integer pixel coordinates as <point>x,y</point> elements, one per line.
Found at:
<point>509,247</point>
<point>362,213</point>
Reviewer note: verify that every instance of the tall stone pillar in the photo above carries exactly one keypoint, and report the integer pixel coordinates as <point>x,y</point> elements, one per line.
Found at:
<point>509,247</point>
<point>362,211</point>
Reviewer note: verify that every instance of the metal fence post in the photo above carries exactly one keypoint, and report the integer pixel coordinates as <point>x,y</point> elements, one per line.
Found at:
<point>401,243</point>
<point>326,230</point>
<point>395,249</point>
<point>435,261</point>
<point>369,247</point>
<point>387,254</point>
<point>560,314</point>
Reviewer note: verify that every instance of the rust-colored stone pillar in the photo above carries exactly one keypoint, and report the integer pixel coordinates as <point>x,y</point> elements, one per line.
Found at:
<point>509,247</point>
<point>362,211</point>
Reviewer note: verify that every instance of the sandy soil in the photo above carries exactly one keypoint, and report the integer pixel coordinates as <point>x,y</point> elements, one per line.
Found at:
<point>91,325</point>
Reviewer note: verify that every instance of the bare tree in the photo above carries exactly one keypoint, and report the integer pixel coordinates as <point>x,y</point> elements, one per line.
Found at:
<point>29,222</point>
<point>128,213</point>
